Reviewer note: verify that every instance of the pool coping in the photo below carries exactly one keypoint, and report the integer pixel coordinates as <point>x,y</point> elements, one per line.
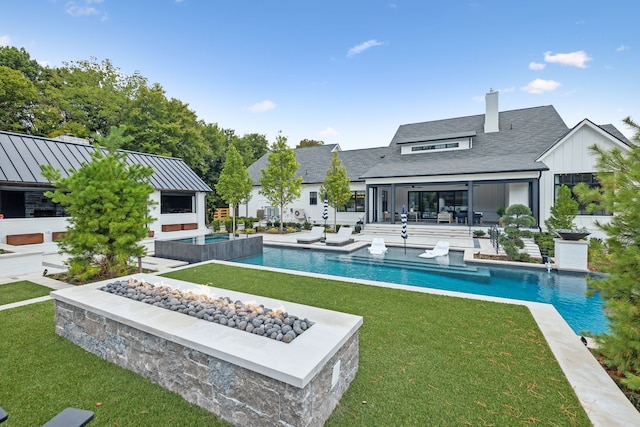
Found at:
<point>600,397</point>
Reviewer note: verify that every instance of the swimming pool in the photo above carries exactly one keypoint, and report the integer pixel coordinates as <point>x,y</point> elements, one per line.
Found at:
<point>566,291</point>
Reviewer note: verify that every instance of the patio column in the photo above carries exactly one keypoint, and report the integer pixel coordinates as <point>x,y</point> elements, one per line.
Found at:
<point>393,204</point>
<point>535,199</point>
<point>470,202</point>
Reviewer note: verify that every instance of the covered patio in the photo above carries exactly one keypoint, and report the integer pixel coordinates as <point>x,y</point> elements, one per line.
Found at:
<point>472,202</point>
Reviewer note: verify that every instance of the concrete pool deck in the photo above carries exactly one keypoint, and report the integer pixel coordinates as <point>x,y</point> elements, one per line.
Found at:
<point>600,397</point>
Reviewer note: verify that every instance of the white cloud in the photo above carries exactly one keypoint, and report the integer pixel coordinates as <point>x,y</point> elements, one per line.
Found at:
<point>328,132</point>
<point>79,8</point>
<point>539,86</point>
<point>5,40</point>
<point>622,48</point>
<point>261,107</point>
<point>362,47</point>
<point>573,59</point>
<point>536,66</point>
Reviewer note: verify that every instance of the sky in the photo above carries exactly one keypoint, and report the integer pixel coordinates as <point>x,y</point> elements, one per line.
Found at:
<point>351,71</point>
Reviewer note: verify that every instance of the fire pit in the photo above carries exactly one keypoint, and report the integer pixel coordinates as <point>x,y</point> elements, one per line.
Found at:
<point>242,377</point>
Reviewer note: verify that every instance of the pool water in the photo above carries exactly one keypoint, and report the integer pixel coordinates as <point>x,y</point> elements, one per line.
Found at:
<point>203,240</point>
<point>566,291</point>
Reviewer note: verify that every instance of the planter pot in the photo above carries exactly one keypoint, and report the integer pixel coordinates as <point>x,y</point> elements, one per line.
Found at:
<point>572,234</point>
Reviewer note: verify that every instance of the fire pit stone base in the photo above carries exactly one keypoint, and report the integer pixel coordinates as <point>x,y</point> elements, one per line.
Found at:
<point>260,389</point>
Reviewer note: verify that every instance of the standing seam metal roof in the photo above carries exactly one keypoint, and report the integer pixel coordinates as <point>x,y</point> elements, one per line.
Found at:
<point>22,155</point>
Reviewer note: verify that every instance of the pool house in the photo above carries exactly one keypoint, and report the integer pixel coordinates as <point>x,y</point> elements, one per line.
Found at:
<point>27,216</point>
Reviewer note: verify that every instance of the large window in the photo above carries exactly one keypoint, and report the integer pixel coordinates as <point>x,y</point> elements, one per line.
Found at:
<point>28,204</point>
<point>177,203</point>
<point>355,203</point>
<point>313,197</point>
<point>573,179</point>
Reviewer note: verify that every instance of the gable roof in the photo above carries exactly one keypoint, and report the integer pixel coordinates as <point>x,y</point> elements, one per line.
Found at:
<point>314,162</point>
<point>22,155</point>
<point>607,131</point>
<point>522,137</point>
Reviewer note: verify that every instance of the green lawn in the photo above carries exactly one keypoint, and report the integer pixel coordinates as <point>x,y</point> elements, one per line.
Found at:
<point>424,360</point>
<point>428,359</point>
<point>20,291</point>
<point>42,373</point>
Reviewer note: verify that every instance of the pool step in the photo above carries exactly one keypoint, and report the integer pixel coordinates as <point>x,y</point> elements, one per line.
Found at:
<point>458,272</point>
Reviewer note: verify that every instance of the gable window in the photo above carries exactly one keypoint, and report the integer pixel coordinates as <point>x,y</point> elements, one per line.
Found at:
<point>177,203</point>
<point>355,203</point>
<point>573,179</point>
<point>313,197</point>
<point>436,146</point>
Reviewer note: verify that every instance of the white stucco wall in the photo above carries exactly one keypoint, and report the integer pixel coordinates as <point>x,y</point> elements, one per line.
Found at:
<point>518,194</point>
<point>49,225</point>
<point>312,213</point>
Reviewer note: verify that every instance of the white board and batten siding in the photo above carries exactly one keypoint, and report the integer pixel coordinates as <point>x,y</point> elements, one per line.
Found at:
<point>572,154</point>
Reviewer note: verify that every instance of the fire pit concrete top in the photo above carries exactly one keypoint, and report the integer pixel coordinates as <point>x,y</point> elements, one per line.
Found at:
<point>294,363</point>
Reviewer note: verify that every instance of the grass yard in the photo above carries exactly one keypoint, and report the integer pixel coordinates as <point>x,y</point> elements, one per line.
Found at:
<point>424,360</point>
<point>42,373</point>
<point>20,291</point>
<point>427,359</point>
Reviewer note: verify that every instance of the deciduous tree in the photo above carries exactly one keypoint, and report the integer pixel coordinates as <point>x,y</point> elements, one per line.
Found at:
<point>278,179</point>
<point>336,186</point>
<point>309,143</point>
<point>234,184</point>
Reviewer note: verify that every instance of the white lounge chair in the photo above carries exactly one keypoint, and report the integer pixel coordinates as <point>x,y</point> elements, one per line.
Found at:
<point>314,236</point>
<point>441,249</point>
<point>342,237</point>
<point>377,246</point>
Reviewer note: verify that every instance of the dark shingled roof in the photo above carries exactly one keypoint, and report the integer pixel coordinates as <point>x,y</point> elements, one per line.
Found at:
<point>523,136</point>
<point>22,155</point>
<point>314,162</point>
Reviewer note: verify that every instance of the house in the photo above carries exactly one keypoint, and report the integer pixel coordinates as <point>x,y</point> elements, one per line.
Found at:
<point>458,170</point>
<point>28,217</point>
<point>314,162</point>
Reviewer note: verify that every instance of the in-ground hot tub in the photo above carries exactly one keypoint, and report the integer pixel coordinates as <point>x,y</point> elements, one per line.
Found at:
<point>244,378</point>
<point>210,246</point>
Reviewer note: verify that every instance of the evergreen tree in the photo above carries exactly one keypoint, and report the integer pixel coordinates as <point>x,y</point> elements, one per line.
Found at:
<point>107,201</point>
<point>234,184</point>
<point>619,178</point>
<point>278,179</point>
<point>336,186</point>
<point>563,212</point>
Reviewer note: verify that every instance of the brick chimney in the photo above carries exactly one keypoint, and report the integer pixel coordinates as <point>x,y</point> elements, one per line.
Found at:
<point>491,114</point>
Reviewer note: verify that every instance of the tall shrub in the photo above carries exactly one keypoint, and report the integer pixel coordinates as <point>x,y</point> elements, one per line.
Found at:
<point>619,178</point>
<point>515,218</point>
<point>563,211</point>
<point>108,205</point>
